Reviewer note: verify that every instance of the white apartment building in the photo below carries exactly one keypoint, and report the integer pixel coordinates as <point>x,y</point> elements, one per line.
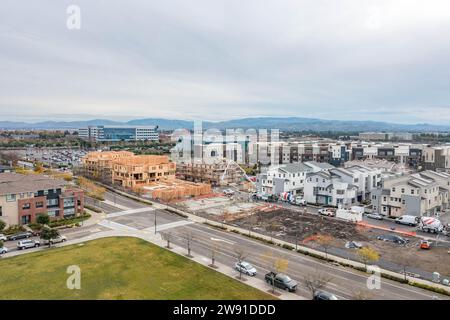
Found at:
<point>325,188</point>
<point>366,179</point>
<point>283,178</point>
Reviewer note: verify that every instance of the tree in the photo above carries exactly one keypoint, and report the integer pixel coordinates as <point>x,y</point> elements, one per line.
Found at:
<point>2,225</point>
<point>168,237</point>
<point>405,260</point>
<point>368,255</point>
<point>325,242</point>
<point>275,265</point>
<point>214,249</point>
<point>316,281</point>
<point>49,234</point>
<point>240,254</point>
<point>188,238</point>
<point>43,219</point>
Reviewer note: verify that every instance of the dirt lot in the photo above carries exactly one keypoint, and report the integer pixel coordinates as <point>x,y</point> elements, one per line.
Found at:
<point>289,225</point>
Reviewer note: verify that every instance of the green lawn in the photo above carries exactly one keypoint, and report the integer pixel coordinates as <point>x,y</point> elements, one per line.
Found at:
<point>116,268</point>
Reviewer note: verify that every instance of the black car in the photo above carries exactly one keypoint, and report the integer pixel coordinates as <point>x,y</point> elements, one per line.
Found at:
<point>19,236</point>
<point>322,295</point>
<point>281,281</point>
<point>392,238</point>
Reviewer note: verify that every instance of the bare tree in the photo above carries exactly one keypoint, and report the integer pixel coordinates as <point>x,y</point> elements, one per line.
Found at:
<point>213,256</point>
<point>325,242</point>
<point>316,281</point>
<point>362,295</point>
<point>168,237</point>
<point>188,238</point>
<point>405,260</point>
<point>275,265</point>
<point>240,255</point>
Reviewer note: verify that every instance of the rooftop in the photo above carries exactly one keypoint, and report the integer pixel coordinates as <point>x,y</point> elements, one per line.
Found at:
<point>13,183</point>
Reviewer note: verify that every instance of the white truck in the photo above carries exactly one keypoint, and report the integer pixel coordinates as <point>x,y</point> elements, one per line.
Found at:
<point>430,224</point>
<point>408,220</point>
<point>354,214</point>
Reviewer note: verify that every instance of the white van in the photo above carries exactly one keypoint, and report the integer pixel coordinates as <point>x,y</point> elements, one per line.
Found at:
<point>408,220</point>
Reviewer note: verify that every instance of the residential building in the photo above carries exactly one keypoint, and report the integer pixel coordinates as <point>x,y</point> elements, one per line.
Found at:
<point>119,133</point>
<point>326,188</point>
<point>412,194</point>
<point>24,197</point>
<point>366,179</point>
<point>219,173</point>
<point>138,170</point>
<point>283,178</point>
<point>437,158</point>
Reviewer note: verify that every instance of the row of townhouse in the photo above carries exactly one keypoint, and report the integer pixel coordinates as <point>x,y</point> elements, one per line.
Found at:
<point>321,183</point>
<point>24,197</point>
<point>419,194</point>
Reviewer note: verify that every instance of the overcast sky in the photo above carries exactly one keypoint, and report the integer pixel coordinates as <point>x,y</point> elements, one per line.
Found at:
<point>215,60</point>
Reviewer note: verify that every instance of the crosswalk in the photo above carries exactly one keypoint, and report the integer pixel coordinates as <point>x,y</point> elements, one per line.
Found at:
<point>127,212</point>
<point>169,225</point>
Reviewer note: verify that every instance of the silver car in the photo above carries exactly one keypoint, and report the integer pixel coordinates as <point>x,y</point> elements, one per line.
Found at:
<point>246,268</point>
<point>25,244</point>
<point>56,240</point>
<point>374,216</point>
<point>3,250</point>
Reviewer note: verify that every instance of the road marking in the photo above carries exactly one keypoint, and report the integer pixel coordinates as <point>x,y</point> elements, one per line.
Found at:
<point>169,225</point>
<point>113,204</point>
<point>126,212</point>
<point>116,226</point>
<point>223,240</point>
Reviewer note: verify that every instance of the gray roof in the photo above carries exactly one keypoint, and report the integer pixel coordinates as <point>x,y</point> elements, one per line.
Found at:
<point>13,183</point>
<point>322,165</point>
<point>295,167</point>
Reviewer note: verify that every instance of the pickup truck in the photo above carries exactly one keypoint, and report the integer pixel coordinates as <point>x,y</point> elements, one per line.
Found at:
<point>281,281</point>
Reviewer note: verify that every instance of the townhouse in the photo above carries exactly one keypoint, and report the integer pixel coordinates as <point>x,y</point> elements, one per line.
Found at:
<point>24,197</point>
<point>413,194</point>
<point>366,179</point>
<point>326,188</point>
<point>283,178</point>
<point>437,158</point>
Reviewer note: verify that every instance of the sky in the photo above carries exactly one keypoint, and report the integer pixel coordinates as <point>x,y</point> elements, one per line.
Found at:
<point>218,60</point>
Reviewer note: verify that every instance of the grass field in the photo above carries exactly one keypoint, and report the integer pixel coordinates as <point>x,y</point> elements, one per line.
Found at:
<point>116,268</point>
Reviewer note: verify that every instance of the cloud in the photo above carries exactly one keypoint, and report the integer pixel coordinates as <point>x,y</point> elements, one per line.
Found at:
<point>215,60</point>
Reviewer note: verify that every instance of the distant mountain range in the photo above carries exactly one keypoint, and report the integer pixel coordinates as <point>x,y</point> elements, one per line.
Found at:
<point>286,124</point>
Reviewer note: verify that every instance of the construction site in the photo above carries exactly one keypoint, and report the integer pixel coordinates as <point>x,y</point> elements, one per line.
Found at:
<point>306,229</point>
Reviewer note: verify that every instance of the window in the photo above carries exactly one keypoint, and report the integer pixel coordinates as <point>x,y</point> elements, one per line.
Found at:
<point>412,191</point>
<point>39,204</point>
<point>393,189</point>
<point>26,206</point>
<point>403,190</point>
<point>10,197</point>
<point>1,212</point>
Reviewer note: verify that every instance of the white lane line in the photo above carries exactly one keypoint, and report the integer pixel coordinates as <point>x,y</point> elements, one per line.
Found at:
<point>169,225</point>
<point>223,240</point>
<point>126,212</point>
<point>116,226</point>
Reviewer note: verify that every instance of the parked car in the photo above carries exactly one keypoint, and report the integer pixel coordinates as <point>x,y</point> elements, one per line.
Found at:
<point>299,201</point>
<point>353,245</point>
<point>26,244</point>
<point>326,212</point>
<point>228,192</point>
<point>281,280</point>
<point>392,238</point>
<point>3,237</point>
<point>19,236</point>
<point>56,240</point>
<point>323,295</point>
<point>376,216</point>
<point>3,250</point>
<point>246,268</point>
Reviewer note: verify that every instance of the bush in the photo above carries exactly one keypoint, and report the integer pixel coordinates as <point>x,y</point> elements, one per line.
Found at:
<point>287,246</point>
<point>431,288</point>
<point>13,229</point>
